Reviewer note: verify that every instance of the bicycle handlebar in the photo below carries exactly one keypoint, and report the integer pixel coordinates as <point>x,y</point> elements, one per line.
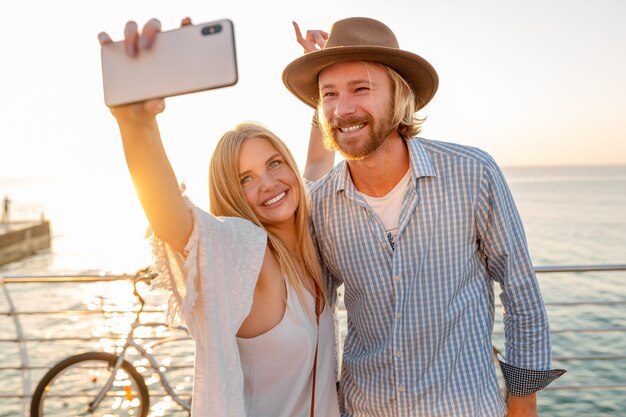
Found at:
<point>142,275</point>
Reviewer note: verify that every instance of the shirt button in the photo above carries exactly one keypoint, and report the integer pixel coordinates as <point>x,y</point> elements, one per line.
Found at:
<point>398,354</point>
<point>383,245</point>
<point>401,388</point>
<point>397,278</point>
<point>398,316</point>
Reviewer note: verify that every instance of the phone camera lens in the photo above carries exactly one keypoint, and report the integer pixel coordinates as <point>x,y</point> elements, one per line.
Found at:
<point>211,30</point>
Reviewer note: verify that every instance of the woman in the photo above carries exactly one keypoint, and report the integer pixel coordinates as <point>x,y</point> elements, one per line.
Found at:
<point>247,283</point>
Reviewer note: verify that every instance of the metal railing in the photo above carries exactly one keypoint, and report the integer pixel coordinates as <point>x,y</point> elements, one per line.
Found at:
<point>81,340</point>
<point>22,212</point>
<point>595,330</point>
<point>23,341</point>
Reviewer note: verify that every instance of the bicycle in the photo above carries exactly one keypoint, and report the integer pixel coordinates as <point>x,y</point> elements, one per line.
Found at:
<point>92,382</point>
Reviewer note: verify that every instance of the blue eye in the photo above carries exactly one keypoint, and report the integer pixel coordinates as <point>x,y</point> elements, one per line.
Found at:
<point>245,180</point>
<point>275,163</point>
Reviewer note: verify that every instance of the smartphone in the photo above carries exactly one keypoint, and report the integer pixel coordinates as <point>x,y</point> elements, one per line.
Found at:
<point>186,60</point>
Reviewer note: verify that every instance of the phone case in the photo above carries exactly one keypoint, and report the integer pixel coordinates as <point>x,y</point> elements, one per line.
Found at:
<point>189,59</point>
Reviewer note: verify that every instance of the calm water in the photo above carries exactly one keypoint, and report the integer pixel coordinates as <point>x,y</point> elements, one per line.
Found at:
<point>577,216</point>
<point>572,216</point>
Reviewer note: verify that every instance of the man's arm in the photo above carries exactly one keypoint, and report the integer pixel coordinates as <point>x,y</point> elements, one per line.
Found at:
<point>522,406</point>
<point>319,160</point>
<point>502,243</point>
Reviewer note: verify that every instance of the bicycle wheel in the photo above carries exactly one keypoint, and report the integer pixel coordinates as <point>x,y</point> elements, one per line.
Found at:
<point>68,389</point>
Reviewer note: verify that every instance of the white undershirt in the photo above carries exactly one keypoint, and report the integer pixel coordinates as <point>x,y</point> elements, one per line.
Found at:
<point>387,208</point>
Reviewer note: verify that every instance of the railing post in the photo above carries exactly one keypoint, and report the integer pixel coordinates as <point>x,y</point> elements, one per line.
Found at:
<point>25,363</point>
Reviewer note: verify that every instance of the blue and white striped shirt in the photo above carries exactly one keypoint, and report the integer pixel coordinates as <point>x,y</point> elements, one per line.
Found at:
<point>420,317</point>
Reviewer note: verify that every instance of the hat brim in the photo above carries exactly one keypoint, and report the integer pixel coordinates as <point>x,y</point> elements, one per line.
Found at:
<point>301,76</point>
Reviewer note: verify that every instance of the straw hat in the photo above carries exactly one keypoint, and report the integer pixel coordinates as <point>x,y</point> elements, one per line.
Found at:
<point>360,39</point>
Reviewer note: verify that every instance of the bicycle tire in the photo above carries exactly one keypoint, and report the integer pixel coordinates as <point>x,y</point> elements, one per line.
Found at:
<point>51,398</point>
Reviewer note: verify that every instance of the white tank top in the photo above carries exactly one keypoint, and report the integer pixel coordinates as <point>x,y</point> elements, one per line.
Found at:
<point>277,365</point>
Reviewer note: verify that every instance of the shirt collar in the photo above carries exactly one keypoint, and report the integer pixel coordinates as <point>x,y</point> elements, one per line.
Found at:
<point>420,161</point>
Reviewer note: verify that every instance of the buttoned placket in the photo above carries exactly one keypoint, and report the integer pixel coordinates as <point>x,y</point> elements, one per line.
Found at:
<point>401,286</point>
<point>378,229</point>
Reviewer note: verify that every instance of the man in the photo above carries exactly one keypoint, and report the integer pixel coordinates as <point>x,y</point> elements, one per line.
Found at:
<point>417,231</point>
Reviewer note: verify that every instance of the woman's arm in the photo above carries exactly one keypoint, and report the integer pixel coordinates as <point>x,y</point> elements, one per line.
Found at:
<point>149,167</point>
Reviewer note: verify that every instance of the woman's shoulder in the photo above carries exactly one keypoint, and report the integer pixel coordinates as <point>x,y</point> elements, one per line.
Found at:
<point>224,223</point>
<point>227,237</point>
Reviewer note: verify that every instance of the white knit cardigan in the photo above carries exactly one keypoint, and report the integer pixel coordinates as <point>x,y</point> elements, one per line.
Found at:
<point>211,290</point>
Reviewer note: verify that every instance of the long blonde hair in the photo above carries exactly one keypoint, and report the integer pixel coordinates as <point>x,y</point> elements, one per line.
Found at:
<point>227,199</point>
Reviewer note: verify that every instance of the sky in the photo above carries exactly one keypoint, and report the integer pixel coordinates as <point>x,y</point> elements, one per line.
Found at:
<point>532,83</point>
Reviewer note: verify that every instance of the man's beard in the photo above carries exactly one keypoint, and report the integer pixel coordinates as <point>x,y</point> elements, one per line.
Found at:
<point>379,132</point>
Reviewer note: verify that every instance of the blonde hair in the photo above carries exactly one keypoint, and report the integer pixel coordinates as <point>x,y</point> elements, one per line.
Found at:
<point>403,117</point>
<point>227,199</point>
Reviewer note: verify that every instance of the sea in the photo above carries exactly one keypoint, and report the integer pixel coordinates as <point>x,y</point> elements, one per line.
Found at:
<point>573,216</point>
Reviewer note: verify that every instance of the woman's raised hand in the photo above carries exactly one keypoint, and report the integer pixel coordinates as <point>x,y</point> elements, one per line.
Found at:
<point>313,41</point>
<point>149,167</point>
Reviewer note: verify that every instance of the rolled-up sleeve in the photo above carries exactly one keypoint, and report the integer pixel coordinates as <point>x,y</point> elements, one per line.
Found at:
<point>502,243</point>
